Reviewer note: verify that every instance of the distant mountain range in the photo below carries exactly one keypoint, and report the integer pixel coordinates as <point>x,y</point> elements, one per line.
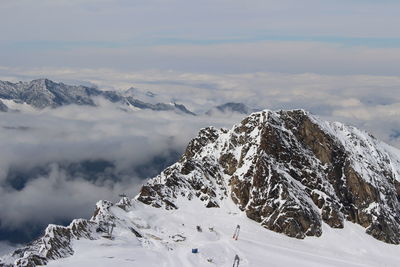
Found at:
<point>44,93</point>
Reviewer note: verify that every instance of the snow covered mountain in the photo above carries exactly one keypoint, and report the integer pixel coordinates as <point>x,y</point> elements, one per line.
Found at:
<point>316,185</point>
<point>43,93</point>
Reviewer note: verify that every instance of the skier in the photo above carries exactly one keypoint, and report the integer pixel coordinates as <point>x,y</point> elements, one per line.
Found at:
<point>236,233</point>
<point>236,261</point>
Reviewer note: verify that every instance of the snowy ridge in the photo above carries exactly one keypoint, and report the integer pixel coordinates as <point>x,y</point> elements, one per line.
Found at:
<point>286,171</point>
<point>43,93</point>
<point>148,236</point>
<point>56,243</point>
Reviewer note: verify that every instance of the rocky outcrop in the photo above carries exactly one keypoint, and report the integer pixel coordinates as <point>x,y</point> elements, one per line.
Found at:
<point>290,172</point>
<point>56,243</point>
<point>188,178</point>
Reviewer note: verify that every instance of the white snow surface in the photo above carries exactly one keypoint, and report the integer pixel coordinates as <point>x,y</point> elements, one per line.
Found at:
<point>256,246</point>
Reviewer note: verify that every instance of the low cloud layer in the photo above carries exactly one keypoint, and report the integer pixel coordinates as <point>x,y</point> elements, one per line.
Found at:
<point>368,101</point>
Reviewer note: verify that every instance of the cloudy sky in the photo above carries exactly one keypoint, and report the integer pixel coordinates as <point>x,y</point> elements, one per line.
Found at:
<point>219,36</point>
<point>338,59</point>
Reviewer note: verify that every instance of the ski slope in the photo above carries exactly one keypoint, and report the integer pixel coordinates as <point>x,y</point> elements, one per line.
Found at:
<point>169,236</point>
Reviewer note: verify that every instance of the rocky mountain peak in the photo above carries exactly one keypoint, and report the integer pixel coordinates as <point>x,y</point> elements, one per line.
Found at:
<point>41,81</point>
<point>291,172</point>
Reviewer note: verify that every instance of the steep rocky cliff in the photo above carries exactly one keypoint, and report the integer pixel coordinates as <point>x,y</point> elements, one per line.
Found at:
<point>290,172</point>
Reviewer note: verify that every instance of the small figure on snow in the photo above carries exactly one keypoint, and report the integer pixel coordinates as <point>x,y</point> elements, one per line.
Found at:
<point>236,261</point>
<point>236,233</point>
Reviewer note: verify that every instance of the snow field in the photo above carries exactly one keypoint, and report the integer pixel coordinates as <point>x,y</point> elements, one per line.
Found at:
<point>169,237</point>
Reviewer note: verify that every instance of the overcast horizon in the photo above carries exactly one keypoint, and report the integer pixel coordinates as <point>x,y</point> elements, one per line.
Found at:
<point>311,36</point>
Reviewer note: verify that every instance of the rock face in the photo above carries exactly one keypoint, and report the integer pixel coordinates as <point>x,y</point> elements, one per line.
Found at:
<point>43,93</point>
<point>290,172</point>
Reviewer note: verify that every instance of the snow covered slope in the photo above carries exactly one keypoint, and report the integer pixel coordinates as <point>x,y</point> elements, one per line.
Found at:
<point>169,236</point>
<point>285,171</point>
<point>166,238</point>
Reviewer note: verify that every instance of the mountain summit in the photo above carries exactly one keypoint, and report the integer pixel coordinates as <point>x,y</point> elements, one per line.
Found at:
<point>286,171</point>
<point>289,171</point>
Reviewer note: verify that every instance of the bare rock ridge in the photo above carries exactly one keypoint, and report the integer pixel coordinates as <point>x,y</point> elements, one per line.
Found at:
<point>287,170</point>
<point>290,172</point>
